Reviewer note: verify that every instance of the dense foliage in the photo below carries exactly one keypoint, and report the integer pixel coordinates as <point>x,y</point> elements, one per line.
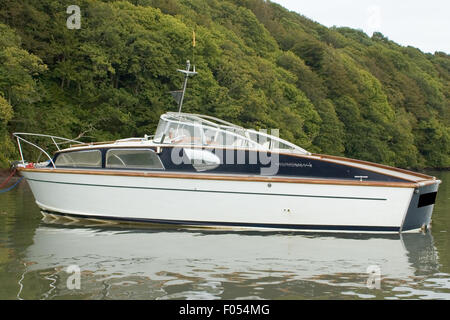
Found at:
<point>330,90</point>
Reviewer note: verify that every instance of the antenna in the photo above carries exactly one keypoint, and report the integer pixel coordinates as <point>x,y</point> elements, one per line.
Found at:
<point>187,74</point>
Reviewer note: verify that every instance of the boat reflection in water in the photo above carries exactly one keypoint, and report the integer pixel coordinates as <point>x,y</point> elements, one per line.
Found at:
<point>172,263</point>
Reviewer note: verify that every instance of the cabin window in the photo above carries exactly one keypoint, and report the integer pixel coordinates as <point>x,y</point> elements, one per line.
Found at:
<point>202,160</point>
<point>133,159</point>
<point>83,159</point>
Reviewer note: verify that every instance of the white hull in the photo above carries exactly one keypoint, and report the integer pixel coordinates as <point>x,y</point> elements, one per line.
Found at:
<point>221,203</point>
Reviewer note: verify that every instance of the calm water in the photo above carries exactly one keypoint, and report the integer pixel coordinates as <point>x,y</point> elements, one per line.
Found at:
<point>129,262</point>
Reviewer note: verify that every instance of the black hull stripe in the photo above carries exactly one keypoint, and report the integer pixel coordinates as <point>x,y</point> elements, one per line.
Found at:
<point>212,191</point>
<point>299,227</point>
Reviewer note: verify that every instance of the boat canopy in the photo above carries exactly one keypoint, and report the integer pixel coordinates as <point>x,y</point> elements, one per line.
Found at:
<point>195,129</point>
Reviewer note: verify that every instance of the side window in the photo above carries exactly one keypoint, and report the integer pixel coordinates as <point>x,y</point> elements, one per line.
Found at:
<point>202,160</point>
<point>133,159</point>
<point>83,159</point>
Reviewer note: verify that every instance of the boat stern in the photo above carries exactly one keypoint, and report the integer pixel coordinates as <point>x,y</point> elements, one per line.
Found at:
<point>418,215</point>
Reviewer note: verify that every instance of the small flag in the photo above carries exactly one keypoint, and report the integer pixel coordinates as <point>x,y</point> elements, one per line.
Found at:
<point>193,38</point>
<point>177,95</point>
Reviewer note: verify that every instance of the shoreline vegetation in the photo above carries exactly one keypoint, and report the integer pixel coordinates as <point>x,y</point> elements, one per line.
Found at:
<point>333,90</point>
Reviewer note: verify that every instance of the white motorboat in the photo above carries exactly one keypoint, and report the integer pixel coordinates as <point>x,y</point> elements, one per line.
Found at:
<point>201,171</point>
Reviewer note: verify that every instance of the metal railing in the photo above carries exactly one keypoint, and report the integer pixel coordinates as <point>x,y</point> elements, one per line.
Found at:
<point>57,141</point>
<point>200,123</point>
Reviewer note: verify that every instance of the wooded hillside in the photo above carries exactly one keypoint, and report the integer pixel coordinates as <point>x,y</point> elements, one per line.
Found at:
<point>329,90</point>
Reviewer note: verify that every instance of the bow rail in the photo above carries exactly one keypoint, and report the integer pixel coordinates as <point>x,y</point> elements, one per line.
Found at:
<point>57,141</point>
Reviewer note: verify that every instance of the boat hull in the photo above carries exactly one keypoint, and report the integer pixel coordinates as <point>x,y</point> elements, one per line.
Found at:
<point>237,204</point>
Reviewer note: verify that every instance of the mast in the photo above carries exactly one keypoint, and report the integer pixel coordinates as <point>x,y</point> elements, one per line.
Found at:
<point>187,74</point>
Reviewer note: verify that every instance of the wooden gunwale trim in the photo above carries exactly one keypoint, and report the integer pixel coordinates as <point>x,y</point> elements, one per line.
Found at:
<point>228,178</point>
<point>325,158</point>
<point>377,165</point>
<point>428,182</point>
